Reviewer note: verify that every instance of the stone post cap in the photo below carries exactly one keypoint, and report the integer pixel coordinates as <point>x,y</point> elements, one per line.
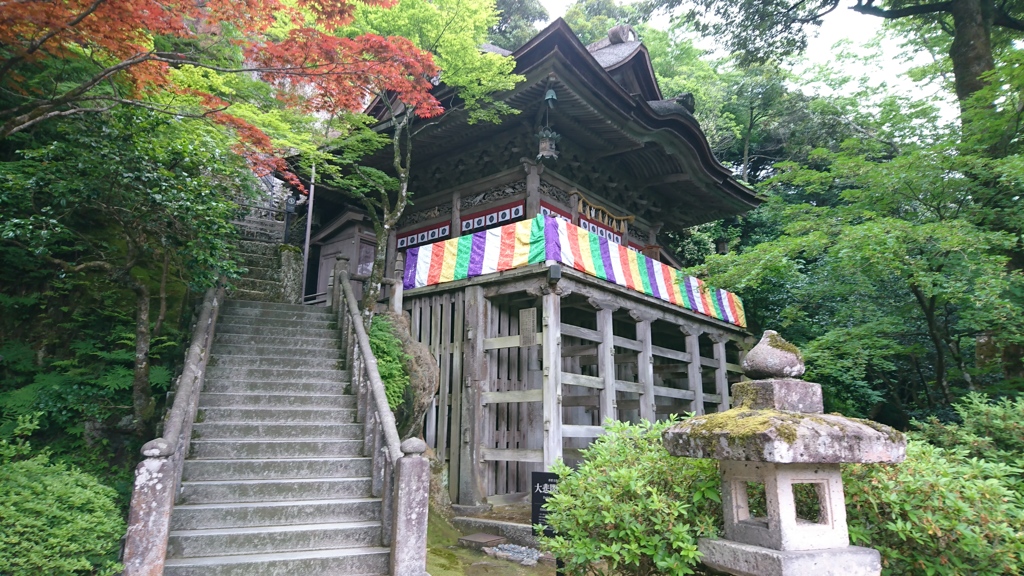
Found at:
<point>412,446</point>
<point>785,394</point>
<point>157,448</point>
<point>773,357</point>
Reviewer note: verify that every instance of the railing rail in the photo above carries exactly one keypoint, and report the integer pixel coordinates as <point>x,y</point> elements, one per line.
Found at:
<point>401,475</point>
<point>158,476</point>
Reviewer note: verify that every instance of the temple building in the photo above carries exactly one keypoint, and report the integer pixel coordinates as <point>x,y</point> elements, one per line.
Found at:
<point>532,266</point>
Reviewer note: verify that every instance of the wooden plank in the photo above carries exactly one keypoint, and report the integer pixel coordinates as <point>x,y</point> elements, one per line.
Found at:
<point>624,386</point>
<point>694,377</point>
<point>495,455</point>
<point>713,398</point>
<point>709,362</point>
<point>721,372</point>
<point>552,379</point>
<point>581,380</point>
<point>734,367</point>
<point>430,429</point>
<point>501,421</point>
<point>669,369</point>
<point>645,370</point>
<point>444,385</point>
<point>570,431</point>
<point>579,332</point>
<point>579,350</point>
<point>670,353</point>
<point>606,364</point>
<point>621,342</point>
<point>457,385</point>
<point>474,362</point>
<point>584,400</point>
<point>673,393</point>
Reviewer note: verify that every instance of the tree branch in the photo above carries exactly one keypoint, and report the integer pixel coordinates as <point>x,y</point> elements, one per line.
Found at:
<point>1004,20</point>
<point>868,7</point>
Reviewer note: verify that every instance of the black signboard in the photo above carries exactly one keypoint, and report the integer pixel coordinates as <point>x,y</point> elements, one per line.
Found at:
<point>541,487</point>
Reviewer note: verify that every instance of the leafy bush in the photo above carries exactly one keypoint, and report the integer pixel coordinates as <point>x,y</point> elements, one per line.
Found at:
<point>939,512</point>
<point>992,430</point>
<point>631,508</point>
<point>54,519</point>
<point>391,358</point>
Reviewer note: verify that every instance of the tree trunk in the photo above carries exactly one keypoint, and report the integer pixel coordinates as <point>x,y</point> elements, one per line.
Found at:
<point>163,295</point>
<point>142,394</point>
<point>971,50</point>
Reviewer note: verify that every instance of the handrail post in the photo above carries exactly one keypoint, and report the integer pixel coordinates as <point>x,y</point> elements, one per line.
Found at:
<point>158,476</point>
<point>396,288</point>
<point>409,507</point>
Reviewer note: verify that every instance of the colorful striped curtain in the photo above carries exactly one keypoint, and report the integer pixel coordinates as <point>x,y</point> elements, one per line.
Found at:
<point>547,239</point>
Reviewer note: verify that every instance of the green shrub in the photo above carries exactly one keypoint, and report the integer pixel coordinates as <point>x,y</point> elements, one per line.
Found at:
<point>992,430</point>
<point>56,520</point>
<point>391,358</point>
<point>939,512</point>
<point>631,508</point>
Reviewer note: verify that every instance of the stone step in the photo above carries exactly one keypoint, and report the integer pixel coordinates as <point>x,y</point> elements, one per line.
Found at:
<point>308,313</point>
<point>275,332</point>
<point>230,469</point>
<point>277,513</point>
<point>290,448</point>
<point>280,415</point>
<point>257,247</point>
<point>276,431</point>
<point>257,269</point>
<point>239,303</point>
<point>281,362</point>
<point>243,339</point>
<point>249,260</point>
<point>282,374</point>
<point>209,398</point>
<point>263,539</point>
<point>226,386</point>
<point>339,562</point>
<point>314,322</point>
<point>255,295</point>
<point>227,350</point>
<point>268,286</point>
<point>210,491</point>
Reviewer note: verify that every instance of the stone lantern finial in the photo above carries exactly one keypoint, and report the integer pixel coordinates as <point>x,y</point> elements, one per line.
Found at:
<point>778,437</point>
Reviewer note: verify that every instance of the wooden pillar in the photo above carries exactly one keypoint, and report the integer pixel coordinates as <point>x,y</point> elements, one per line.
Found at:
<point>552,385</point>
<point>474,362</point>
<point>574,207</point>
<point>693,332</point>
<point>645,364</point>
<point>533,172</point>
<point>721,374</point>
<point>389,261</point>
<point>456,215</point>
<point>606,357</point>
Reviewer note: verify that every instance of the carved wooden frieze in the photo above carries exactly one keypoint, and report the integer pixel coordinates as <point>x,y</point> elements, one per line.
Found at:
<point>554,192</point>
<point>411,218</point>
<point>492,195</point>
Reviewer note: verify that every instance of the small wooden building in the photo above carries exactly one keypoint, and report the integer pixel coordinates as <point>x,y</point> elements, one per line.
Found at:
<point>534,272</point>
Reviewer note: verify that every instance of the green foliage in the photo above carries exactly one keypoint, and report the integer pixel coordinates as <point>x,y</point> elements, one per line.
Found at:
<point>517,22</point>
<point>631,508</point>
<point>452,30</point>
<point>991,430</point>
<point>391,359</point>
<point>939,512</point>
<point>54,519</point>
<point>592,19</point>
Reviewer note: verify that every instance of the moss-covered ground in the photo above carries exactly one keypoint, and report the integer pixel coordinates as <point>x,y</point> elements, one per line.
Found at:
<point>446,558</point>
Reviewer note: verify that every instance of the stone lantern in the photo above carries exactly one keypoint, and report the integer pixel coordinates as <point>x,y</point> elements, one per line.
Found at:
<point>778,437</point>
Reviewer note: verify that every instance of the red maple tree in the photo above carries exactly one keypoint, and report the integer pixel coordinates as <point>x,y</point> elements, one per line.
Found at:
<point>66,57</point>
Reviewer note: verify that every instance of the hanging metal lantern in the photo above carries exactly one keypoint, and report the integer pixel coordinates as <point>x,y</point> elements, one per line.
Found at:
<point>548,140</point>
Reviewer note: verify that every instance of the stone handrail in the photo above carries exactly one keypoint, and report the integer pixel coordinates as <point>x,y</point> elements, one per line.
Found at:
<point>158,476</point>
<point>401,475</point>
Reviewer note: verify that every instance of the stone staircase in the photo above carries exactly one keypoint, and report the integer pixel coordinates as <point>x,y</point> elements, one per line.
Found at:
<point>263,282</point>
<point>275,483</point>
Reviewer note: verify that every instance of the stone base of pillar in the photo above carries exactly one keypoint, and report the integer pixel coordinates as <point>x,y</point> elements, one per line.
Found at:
<point>746,560</point>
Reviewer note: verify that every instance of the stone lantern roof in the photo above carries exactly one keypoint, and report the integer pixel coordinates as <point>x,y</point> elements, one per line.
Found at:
<point>781,420</point>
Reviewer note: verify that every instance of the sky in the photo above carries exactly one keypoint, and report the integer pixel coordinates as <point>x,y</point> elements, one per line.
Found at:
<point>843,24</point>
